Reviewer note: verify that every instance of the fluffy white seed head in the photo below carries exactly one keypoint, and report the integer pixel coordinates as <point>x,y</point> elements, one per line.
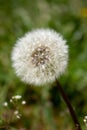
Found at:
<point>40,56</point>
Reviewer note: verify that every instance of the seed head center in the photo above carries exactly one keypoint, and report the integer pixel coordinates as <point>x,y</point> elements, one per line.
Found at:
<point>40,55</point>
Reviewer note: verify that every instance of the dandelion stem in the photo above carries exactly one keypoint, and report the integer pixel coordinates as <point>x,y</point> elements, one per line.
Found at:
<point>68,103</point>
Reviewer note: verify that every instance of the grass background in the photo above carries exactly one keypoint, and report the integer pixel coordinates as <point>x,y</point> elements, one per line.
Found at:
<point>70,19</point>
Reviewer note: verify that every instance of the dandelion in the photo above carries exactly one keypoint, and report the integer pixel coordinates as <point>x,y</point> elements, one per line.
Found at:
<point>40,56</point>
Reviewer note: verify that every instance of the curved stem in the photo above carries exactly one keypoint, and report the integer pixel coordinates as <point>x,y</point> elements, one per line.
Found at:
<point>68,103</point>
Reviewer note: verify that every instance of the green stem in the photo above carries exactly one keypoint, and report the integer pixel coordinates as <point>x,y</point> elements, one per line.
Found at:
<point>68,103</point>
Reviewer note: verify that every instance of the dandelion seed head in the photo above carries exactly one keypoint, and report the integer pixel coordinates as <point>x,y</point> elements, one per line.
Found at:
<point>40,56</point>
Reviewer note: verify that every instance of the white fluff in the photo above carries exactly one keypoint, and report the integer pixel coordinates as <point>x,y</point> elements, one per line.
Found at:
<point>54,61</point>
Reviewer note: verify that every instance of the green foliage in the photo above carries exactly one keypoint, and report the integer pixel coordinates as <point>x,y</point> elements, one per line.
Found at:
<point>19,16</point>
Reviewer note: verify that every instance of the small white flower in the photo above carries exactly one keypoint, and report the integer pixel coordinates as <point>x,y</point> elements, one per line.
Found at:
<point>16,112</point>
<point>85,120</point>
<point>5,104</point>
<point>23,102</point>
<point>18,116</point>
<point>16,97</point>
<point>85,117</point>
<point>11,100</point>
<point>40,56</point>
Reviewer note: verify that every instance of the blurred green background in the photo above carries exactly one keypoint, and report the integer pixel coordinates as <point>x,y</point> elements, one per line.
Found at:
<point>69,17</point>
